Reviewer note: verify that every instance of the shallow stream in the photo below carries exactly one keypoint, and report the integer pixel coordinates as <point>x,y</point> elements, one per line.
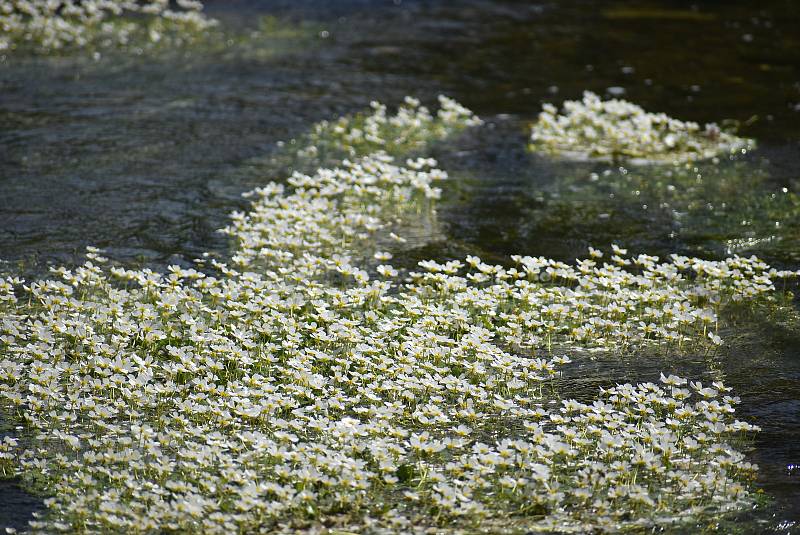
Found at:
<point>145,154</point>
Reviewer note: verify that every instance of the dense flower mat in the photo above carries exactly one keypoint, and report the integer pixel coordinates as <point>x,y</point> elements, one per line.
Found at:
<point>50,25</point>
<point>619,130</point>
<point>308,384</point>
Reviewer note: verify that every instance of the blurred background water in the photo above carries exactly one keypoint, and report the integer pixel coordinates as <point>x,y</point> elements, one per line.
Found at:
<point>144,153</point>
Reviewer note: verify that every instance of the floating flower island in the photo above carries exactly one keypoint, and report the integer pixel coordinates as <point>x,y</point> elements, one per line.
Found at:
<point>307,384</point>
<point>617,130</point>
<point>53,25</point>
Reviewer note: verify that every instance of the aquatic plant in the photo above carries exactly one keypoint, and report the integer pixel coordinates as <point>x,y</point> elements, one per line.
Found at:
<point>411,128</point>
<point>322,229</point>
<point>309,384</point>
<point>408,129</point>
<point>58,24</point>
<point>615,130</point>
<point>714,208</point>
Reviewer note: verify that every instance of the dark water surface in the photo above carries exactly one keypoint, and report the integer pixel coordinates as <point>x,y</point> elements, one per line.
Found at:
<point>145,155</point>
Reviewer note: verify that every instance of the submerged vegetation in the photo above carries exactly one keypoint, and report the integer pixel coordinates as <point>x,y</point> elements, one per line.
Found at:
<point>714,208</point>
<point>618,130</point>
<point>307,383</point>
<point>58,24</point>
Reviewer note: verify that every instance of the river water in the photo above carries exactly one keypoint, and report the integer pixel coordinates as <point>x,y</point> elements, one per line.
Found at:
<point>145,154</point>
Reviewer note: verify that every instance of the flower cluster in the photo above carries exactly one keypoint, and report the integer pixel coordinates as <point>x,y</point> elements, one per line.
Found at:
<point>57,24</point>
<point>338,215</point>
<point>616,129</point>
<point>410,129</point>
<point>193,403</point>
<point>308,383</point>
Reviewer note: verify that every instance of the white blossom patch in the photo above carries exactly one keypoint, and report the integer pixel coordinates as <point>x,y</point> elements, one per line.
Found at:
<point>616,130</point>
<point>308,384</point>
<point>57,24</point>
<point>411,128</point>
